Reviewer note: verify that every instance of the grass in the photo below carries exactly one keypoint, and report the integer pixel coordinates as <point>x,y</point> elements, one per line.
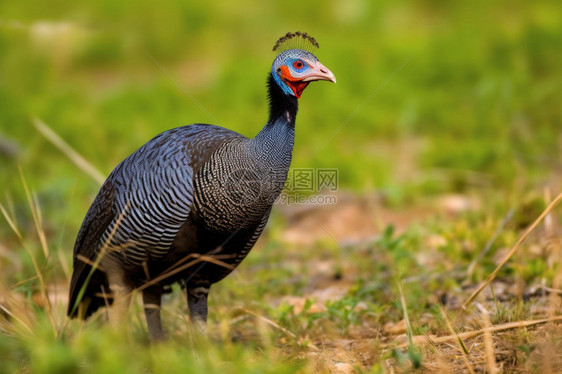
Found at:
<point>298,318</point>
<point>444,127</point>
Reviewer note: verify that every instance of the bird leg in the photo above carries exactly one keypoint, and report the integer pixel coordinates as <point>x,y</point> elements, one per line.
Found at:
<point>121,293</point>
<point>197,302</point>
<point>152,299</point>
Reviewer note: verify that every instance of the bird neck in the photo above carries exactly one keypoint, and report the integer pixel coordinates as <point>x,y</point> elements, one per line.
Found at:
<point>281,105</point>
<point>276,139</point>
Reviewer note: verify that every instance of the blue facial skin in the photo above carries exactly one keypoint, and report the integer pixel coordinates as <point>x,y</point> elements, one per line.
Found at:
<point>287,58</point>
<point>286,89</point>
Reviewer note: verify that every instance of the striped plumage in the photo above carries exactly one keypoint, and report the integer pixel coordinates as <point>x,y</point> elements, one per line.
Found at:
<point>196,190</point>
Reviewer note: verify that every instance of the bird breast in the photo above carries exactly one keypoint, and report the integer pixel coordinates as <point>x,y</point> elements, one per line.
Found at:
<point>234,191</point>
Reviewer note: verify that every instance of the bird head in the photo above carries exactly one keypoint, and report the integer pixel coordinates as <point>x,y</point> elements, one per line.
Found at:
<point>294,68</point>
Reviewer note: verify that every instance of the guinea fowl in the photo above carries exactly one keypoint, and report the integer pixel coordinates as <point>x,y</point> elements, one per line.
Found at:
<point>188,206</point>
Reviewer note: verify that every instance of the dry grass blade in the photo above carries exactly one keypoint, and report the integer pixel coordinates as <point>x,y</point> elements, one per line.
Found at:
<point>512,251</point>
<point>405,313</point>
<point>464,350</point>
<point>88,261</point>
<point>36,214</point>
<point>489,243</point>
<point>472,334</point>
<point>198,258</point>
<point>42,283</point>
<point>14,316</point>
<point>37,220</point>
<point>10,222</point>
<point>280,328</point>
<point>488,341</point>
<point>74,156</point>
<point>209,255</point>
<point>414,356</point>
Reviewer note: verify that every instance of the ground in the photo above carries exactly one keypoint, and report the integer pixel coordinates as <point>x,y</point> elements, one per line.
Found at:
<point>316,299</point>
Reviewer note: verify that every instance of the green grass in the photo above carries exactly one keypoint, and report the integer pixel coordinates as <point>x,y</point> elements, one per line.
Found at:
<point>433,99</point>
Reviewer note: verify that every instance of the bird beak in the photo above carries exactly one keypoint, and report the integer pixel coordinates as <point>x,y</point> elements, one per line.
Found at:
<point>319,73</point>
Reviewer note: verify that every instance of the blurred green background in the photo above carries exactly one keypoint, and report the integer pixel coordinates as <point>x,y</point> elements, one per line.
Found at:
<point>432,96</point>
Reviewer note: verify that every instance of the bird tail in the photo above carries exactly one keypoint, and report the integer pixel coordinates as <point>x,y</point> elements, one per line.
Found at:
<point>86,291</point>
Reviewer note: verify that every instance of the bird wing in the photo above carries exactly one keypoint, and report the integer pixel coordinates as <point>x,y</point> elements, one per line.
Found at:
<point>142,205</point>
<point>97,220</point>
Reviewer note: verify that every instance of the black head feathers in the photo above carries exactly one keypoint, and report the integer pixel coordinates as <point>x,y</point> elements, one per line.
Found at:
<point>296,40</point>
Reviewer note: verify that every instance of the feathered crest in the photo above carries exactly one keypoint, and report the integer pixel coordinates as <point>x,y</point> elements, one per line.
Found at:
<point>296,40</point>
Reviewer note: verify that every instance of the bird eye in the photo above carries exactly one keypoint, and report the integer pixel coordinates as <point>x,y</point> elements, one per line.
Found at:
<point>298,64</point>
